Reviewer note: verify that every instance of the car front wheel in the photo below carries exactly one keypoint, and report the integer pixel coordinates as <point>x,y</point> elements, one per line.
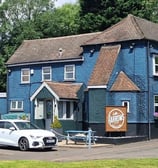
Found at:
<point>23,144</point>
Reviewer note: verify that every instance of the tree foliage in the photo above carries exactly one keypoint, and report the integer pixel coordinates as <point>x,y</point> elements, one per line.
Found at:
<point>97,15</point>
<point>32,19</point>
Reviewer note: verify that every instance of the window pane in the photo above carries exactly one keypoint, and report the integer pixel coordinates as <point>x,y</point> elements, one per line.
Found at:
<point>69,68</point>
<point>46,76</point>
<point>156,60</point>
<point>69,75</point>
<point>68,113</point>
<point>25,72</point>
<point>156,103</point>
<point>19,105</point>
<point>13,104</point>
<point>156,69</point>
<point>25,78</point>
<point>46,70</point>
<point>60,109</point>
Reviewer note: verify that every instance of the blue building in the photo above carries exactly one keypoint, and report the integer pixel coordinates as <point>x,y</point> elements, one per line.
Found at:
<point>77,77</point>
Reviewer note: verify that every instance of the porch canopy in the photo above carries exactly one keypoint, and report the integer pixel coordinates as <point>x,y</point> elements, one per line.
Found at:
<point>57,90</point>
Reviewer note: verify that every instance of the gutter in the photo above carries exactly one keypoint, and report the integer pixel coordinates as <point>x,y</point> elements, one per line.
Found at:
<point>45,62</point>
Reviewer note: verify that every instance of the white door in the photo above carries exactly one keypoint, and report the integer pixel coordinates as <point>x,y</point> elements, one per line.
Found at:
<point>39,110</point>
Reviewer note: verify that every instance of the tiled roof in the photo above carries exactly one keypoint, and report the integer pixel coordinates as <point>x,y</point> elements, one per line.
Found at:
<point>123,83</point>
<point>65,90</point>
<point>130,28</point>
<point>48,49</point>
<point>104,65</point>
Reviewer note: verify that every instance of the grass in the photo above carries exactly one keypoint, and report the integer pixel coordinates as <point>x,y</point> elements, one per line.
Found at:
<point>122,163</point>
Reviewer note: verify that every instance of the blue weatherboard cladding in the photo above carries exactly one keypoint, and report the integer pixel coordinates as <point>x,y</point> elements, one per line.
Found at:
<point>19,91</point>
<point>3,105</point>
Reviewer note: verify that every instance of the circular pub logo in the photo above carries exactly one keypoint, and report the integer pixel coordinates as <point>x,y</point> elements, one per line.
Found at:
<point>116,118</point>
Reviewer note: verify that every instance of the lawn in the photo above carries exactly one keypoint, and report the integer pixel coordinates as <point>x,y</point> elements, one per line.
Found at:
<point>122,163</point>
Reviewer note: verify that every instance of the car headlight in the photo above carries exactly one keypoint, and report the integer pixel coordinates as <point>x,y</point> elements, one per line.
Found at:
<point>35,137</point>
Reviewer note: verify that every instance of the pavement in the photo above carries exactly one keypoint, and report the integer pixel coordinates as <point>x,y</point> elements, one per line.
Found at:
<point>81,152</point>
<point>72,144</point>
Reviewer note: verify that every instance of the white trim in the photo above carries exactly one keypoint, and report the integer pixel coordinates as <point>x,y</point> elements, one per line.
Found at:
<point>154,65</point>
<point>44,62</point>
<point>50,73</point>
<point>3,94</point>
<point>71,72</point>
<point>16,105</point>
<point>98,87</point>
<point>44,84</point>
<point>22,75</point>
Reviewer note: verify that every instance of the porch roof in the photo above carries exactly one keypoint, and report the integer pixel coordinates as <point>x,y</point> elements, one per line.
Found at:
<point>59,90</point>
<point>124,83</point>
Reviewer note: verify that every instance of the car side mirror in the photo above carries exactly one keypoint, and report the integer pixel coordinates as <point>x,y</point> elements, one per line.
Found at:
<point>12,128</point>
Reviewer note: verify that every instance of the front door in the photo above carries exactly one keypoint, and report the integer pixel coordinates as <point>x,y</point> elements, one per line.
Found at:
<point>49,113</point>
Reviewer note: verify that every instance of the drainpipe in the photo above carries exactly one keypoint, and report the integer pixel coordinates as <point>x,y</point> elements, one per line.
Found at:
<point>148,80</point>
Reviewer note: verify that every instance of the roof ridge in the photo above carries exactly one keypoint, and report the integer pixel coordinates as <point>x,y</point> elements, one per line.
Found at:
<point>134,21</point>
<point>63,37</point>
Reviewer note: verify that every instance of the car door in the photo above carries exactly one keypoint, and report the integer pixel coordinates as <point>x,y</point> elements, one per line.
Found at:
<point>2,137</point>
<point>8,136</point>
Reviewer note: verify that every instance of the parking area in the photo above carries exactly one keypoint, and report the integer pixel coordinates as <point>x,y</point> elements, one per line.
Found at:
<point>71,152</point>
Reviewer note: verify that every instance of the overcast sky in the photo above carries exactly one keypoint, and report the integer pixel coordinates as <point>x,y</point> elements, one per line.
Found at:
<point>61,2</point>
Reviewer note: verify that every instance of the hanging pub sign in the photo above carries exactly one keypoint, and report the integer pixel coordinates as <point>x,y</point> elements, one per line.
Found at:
<point>116,119</point>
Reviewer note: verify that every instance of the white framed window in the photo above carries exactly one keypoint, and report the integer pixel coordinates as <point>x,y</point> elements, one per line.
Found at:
<point>155,65</point>
<point>69,72</point>
<point>25,75</point>
<point>16,105</point>
<point>126,104</point>
<point>65,110</point>
<point>156,103</point>
<point>46,73</point>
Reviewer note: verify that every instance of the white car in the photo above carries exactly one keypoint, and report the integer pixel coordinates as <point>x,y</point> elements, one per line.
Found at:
<point>23,134</point>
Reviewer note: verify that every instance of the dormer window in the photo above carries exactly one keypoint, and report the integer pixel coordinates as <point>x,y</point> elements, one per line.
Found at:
<point>155,65</point>
<point>69,72</point>
<point>46,74</point>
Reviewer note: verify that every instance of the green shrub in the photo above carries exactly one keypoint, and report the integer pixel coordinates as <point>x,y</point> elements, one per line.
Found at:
<point>56,123</point>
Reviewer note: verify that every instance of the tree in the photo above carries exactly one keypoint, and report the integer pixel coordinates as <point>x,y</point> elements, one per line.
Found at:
<point>18,22</point>
<point>97,15</point>
<point>63,21</point>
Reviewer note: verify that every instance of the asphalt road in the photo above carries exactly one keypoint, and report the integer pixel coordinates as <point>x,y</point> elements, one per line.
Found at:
<point>145,149</point>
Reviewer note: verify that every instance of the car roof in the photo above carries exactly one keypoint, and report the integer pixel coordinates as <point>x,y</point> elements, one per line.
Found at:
<point>15,120</point>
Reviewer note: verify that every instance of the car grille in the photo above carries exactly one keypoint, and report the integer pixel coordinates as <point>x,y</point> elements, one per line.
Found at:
<point>49,141</point>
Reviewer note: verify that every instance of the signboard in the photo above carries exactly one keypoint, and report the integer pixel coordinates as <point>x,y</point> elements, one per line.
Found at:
<point>116,119</point>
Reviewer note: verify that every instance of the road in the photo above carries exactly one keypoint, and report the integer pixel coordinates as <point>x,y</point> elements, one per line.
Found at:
<point>145,149</point>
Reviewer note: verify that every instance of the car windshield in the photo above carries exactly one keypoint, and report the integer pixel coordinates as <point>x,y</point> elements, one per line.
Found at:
<point>25,125</point>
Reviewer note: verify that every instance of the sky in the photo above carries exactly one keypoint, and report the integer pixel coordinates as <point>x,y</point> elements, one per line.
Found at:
<point>61,2</point>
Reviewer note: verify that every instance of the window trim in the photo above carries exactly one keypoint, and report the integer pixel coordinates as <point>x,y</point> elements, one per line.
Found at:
<point>16,105</point>
<point>155,104</point>
<point>22,75</point>
<point>154,65</point>
<point>72,72</point>
<point>50,73</point>
<point>128,103</point>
